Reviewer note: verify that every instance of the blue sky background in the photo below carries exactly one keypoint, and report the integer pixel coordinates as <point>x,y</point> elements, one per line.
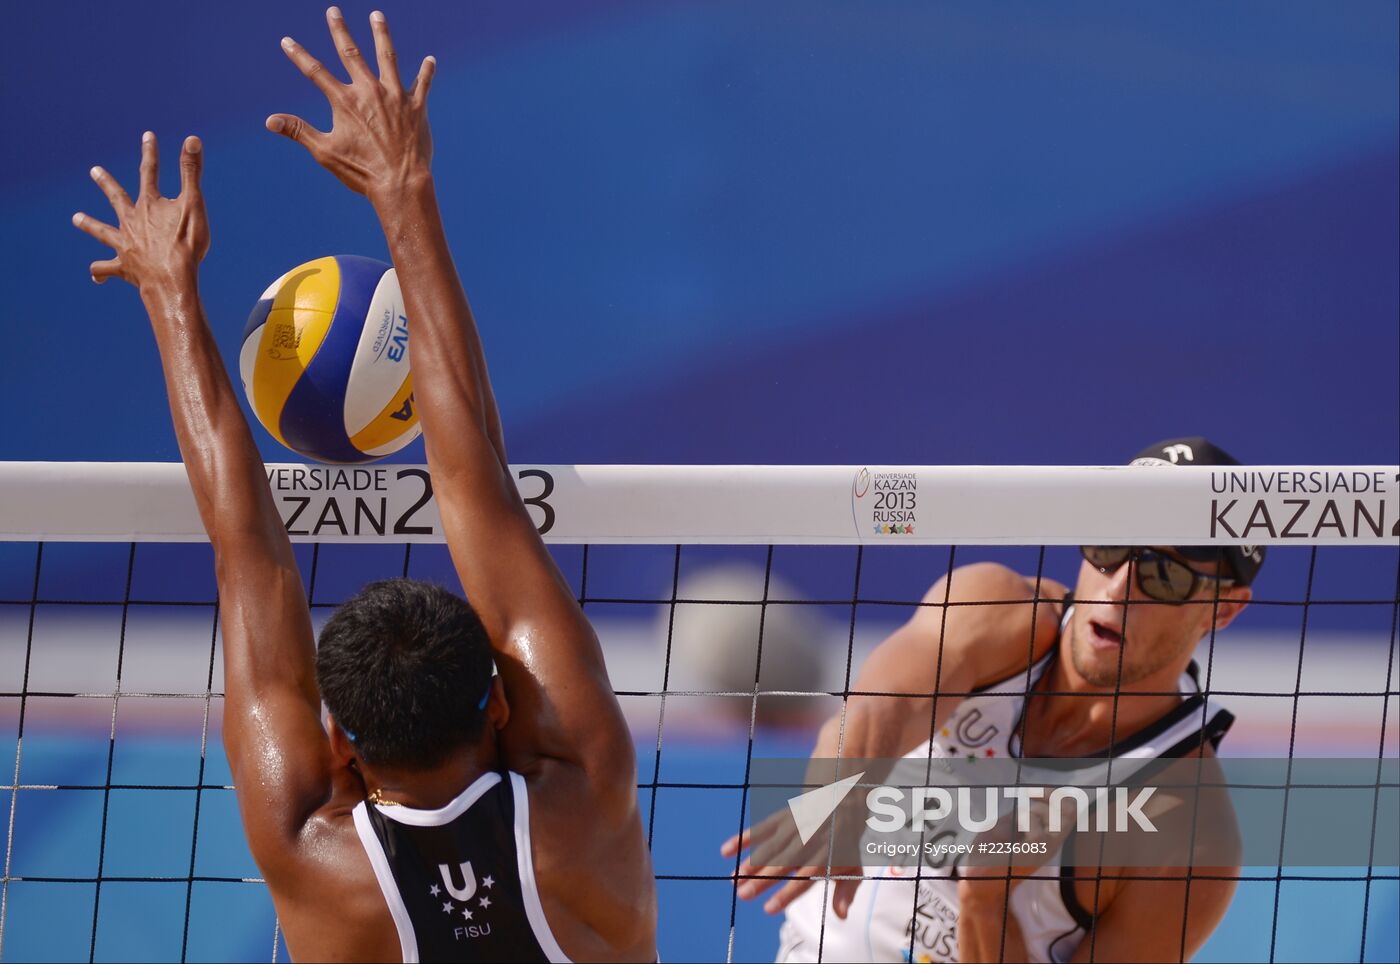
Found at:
<point>778,233</point>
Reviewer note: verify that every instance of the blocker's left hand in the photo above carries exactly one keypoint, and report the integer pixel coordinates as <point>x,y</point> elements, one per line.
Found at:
<point>379,139</point>
<point>157,239</point>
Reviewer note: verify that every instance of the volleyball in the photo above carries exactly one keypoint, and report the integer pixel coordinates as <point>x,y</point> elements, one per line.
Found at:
<point>324,361</point>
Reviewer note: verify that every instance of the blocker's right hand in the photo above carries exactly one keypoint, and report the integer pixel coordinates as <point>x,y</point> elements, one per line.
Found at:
<point>157,239</point>
<point>379,139</point>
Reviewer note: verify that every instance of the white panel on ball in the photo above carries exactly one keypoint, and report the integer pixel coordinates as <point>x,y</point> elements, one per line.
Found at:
<point>248,359</point>
<point>381,358</point>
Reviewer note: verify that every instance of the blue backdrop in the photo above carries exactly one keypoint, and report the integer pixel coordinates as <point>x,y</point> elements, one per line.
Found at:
<point>896,232</point>
<point>732,232</point>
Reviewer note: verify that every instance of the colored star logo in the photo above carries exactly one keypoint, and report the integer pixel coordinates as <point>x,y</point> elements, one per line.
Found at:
<point>447,907</point>
<point>435,890</point>
<point>991,752</point>
<point>485,902</point>
<point>877,530</point>
<point>908,530</point>
<point>487,881</point>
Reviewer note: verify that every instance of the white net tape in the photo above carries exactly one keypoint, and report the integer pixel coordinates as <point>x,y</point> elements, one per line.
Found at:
<point>749,504</point>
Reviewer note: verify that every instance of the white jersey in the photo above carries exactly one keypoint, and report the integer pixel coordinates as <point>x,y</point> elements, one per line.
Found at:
<point>917,919</point>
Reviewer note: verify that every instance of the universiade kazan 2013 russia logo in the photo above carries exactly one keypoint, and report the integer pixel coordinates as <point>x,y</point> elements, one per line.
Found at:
<point>885,503</point>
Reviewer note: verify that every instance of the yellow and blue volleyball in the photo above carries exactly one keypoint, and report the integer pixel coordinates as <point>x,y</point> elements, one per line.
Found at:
<point>324,361</point>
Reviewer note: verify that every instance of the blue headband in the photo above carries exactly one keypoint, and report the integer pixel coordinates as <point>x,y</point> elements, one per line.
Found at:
<point>487,695</point>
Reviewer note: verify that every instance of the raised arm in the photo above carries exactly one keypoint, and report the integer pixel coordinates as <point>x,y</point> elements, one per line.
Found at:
<point>276,747</point>
<point>920,671</point>
<point>562,706</point>
<point>943,652</point>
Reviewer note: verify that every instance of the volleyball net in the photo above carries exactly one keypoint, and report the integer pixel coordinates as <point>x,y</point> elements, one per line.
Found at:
<point>735,605</point>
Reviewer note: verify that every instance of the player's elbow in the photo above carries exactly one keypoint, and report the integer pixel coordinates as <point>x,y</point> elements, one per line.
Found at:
<point>248,547</point>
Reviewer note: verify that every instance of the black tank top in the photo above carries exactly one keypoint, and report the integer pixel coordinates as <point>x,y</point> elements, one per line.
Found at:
<point>460,881</point>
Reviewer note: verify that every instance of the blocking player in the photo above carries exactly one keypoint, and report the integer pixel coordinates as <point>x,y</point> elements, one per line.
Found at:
<point>438,813</point>
<point>1103,672</point>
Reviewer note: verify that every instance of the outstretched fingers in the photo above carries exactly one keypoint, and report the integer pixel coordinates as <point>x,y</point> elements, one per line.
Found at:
<point>97,230</point>
<point>424,80</point>
<point>150,166</point>
<point>155,235</point>
<point>294,128</point>
<point>116,194</point>
<point>843,892</point>
<point>804,878</point>
<point>191,167</point>
<point>345,45</point>
<point>313,69</point>
<point>736,843</point>
<point>384,53</point>
<point>752,881</point>
<point>844,882</point>
<point>102,270</point>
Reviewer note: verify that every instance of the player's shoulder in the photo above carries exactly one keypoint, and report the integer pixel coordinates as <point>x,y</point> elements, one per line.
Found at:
<point>986,612</point>
<point>993,582</point>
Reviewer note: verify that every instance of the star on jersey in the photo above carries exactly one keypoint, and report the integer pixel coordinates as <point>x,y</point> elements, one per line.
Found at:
<point>447,907</point>
<point>485,902</point>
<point>488,881</point>
<point>467,913</point>
<point>435,890</point>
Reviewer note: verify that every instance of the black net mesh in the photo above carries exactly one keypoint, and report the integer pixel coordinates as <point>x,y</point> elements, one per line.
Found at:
<point>157,867</point>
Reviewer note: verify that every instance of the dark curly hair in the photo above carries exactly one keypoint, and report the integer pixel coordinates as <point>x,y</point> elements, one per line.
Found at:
<point>404,666</point>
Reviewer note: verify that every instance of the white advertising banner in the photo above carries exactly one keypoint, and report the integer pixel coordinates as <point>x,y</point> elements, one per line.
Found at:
<point>748,504</point>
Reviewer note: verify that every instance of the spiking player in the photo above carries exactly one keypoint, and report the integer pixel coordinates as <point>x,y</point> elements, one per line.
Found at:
<point>1110,674</point>
<point>439,814</point>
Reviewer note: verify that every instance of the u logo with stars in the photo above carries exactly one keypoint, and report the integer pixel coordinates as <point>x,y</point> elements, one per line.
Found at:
<point>453,894</point>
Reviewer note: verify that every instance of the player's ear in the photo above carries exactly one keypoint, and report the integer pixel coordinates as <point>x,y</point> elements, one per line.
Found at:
<point>497,709</point>
<point>342,747</point>
<point>1232,602</point>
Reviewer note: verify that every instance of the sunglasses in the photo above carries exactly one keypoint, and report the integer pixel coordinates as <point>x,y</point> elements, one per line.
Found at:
<point>1159,576</point>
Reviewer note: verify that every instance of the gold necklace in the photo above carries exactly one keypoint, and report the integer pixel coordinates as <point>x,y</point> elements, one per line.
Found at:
<point>376,796</point>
